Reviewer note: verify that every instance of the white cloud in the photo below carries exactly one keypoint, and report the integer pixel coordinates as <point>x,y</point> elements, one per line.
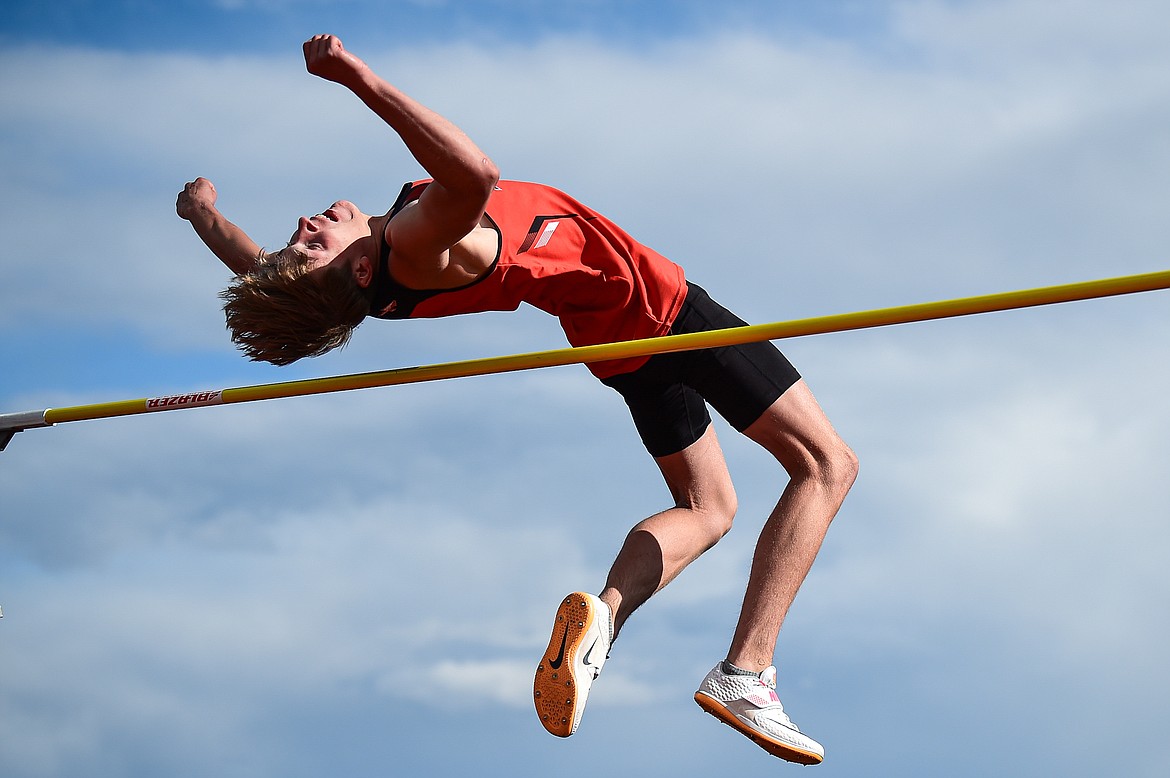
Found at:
<point>840,160</point>
<point>210,576</point>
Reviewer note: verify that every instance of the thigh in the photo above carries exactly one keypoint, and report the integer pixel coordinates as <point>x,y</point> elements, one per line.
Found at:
<point>697,476</point>
<point>796,431</point>
<point>669,416</point>
<point>740,382</point>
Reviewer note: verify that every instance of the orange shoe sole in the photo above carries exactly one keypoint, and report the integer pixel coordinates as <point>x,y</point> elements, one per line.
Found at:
<point>554,690</point>
<point>774,747</point>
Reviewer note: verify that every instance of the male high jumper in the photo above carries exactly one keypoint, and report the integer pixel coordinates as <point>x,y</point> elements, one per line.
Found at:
<point>465,241</point>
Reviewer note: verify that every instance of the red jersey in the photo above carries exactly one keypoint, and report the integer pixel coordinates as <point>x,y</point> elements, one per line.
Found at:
<point>561,257</point>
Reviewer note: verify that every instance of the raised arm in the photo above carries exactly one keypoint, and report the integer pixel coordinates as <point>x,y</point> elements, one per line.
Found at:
<point>231,244</point>
<point>463,175</point>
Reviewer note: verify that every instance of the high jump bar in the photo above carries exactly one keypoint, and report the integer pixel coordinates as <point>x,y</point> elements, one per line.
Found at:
<point>11,423</point>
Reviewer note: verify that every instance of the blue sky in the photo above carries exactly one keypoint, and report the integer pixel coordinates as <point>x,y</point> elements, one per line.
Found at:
<point>361,584</point>
<point>235,25</point>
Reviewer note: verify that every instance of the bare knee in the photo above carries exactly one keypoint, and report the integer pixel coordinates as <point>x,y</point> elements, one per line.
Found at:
<point>724,514</point>
<point>713,512</point>
<point>795,431</point>
<point>833,467</point>
<point>704,496</point>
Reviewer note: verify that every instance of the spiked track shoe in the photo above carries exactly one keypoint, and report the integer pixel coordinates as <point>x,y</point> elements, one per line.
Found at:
<point>581,635</point>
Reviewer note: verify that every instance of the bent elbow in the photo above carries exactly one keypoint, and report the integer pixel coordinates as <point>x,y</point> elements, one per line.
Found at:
<point>474,187</point>
<point>489,175</point>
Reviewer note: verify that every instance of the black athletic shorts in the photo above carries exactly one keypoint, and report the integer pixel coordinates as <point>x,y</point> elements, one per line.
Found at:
<point>668,395</point>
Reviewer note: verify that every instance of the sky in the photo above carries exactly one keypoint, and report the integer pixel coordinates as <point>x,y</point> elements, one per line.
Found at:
<point>362,583</point>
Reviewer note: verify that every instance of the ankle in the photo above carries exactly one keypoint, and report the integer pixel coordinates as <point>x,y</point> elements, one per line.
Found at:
<point>613,601</point>
<point>730,669</point>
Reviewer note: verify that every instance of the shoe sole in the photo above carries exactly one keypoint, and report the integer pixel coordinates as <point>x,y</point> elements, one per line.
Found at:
<point>555,689</point>
<point>785,751</point>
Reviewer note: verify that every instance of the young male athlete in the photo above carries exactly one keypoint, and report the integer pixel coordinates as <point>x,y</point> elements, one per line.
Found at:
<point>464,241</point>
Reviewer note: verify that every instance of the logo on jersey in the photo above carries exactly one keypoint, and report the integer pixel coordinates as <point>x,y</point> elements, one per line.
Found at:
<point>541,231</point>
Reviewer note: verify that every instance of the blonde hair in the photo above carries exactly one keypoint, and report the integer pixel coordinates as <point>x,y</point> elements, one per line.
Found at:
<point>277,313</point>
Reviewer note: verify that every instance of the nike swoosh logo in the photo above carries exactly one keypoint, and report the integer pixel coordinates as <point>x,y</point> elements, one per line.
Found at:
<point>556,663</point>
<point>589,653</point>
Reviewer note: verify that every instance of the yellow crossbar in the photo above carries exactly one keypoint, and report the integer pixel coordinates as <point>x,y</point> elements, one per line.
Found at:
<point>15,422</point>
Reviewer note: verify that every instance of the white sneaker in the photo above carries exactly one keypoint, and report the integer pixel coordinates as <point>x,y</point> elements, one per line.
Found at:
<point>579,646</point>
<point>749,704</point>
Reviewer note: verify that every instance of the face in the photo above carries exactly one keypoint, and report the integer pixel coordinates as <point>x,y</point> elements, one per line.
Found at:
<point>325,236</point>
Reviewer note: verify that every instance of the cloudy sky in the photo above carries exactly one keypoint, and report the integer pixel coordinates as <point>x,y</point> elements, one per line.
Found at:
<point>361,584</point>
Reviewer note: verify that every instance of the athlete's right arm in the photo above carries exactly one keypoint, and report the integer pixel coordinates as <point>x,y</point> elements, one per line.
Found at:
<point>196,204</point>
